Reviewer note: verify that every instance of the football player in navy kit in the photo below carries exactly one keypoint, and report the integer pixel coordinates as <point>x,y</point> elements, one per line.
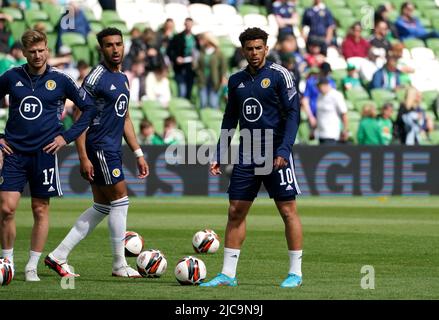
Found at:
<point>263,96</point>
<point>100,156</point>
<point>33,135</point>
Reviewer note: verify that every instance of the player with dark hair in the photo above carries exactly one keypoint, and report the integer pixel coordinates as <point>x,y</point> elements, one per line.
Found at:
<point>33,135</point>
<point>263,97</point>
<point>100,158</point>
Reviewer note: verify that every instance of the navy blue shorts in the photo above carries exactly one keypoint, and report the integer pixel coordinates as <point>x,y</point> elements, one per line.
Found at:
<point>281,184</point>
<point>107,166</point>
<point>40,169</point>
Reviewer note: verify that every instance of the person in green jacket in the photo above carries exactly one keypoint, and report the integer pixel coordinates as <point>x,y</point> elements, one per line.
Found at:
<point>147,135</point>
<point>369,132</point>
<point>15,58</point>
<point>211,69</point>
<point>385,123</point>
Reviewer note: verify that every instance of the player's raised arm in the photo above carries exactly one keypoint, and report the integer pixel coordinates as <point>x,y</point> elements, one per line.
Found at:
<point>289,99</point>
<point>131,139</point>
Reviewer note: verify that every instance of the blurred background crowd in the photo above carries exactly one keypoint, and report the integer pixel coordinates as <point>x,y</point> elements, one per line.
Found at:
<point>367,70</point>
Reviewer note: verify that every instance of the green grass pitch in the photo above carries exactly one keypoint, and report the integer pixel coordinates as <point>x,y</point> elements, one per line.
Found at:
<point>399,237</point>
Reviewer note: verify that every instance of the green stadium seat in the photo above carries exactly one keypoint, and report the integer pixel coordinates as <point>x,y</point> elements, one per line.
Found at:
<point>136,113</point>
<point>428,97</point>
<point>96,26</point>
<point>121,25</point>
<point>214,124</point>
<point>151,104</point>
<point>245,9</point>
<point>32,16</point>
<point>15,13</point>
<point>434,137</point>
<point>341,13</point>
<point>357,4</point>
<point>111,18</point>
<point>375,3</point>
<point>207,114</point>
<point>186,125</point>
<point>306,3</point>
<point>156,113</point>
<point>353,116</point>
<point>51,41</point>
<point>353,130</point>
<point>338,76</point>
<point>158,125</point>
<point>433,43</point>
<point>359,105</point>
<point>413,43</point>
<point>180,103</point>
<point>54,11</point>
<point>17,28</point>
<point>89,14</point>
<point>432,14</point>
<point>346,22</point>
<point>185,114</point>
<point>335,4</point>
<point>425,22</point>
<point>81,52</point>
<point>381,96</point>
<point>397,4</point>
<point>356,94</point>
<point>400,94</point>
<point>425,5</point>
<point>110,15</point>
<point>73,38</point>
<point>34,5</point>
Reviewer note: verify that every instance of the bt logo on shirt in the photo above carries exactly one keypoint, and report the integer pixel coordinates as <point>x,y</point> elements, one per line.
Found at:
<point>121,105</point>
<point>252,109</point>
<point>30,108</point>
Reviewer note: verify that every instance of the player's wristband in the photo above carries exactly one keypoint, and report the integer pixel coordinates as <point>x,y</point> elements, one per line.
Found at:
<point>2,135</point>
<point>138,153</point>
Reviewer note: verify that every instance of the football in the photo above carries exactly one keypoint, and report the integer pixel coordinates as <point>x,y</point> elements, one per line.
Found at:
<point>190,271</point>
<point>151,263</point>
<point>133,244</point>
<point>205,241</point>
<point>6,272</point>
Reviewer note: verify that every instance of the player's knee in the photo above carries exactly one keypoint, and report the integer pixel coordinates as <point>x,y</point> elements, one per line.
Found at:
<point>236,213</point>
<point>7,211</point>
<point>288,215</point>
<point>40,212</point>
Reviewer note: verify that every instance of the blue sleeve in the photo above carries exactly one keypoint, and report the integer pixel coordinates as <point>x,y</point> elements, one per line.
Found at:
<point>289,99</point>
<point>84,102</point>
<point>307,92</point>
<point>420,30</point>
<point>402,28</point>
<point>376,80</point>
<point>230,121</point>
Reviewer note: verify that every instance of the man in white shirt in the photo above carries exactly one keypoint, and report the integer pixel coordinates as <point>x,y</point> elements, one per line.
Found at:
<point>332,120</point>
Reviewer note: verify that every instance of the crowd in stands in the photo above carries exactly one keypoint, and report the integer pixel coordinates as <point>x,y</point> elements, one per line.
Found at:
<point>371,100</point>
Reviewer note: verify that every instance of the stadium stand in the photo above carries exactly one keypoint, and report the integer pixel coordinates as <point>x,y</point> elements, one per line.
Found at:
<point>226,22</point>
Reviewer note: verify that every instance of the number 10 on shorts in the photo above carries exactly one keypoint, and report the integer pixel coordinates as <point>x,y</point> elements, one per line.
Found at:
<point>288,174</point>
